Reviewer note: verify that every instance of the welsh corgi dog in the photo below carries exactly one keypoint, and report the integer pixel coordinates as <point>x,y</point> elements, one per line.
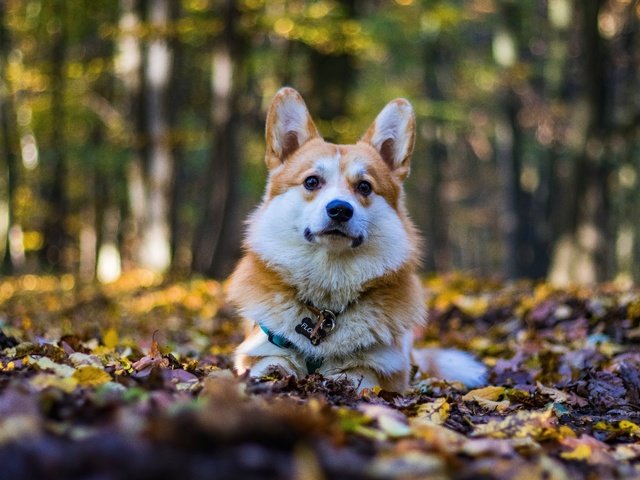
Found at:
<point>328,280</point>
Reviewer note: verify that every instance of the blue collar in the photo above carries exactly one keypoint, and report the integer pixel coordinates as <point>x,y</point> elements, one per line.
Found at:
<point>312,363</point>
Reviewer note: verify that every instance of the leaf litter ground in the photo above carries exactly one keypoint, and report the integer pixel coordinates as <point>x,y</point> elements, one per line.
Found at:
<point>133,380</point>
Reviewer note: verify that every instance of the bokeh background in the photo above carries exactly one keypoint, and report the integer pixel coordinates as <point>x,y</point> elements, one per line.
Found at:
<point>131,131</point>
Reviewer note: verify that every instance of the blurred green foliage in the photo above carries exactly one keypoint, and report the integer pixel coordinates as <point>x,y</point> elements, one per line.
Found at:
<point>500,88</point>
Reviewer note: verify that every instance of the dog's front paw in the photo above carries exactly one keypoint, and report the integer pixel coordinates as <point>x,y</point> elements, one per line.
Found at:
<point>273,365</point>
<point>360,378</point>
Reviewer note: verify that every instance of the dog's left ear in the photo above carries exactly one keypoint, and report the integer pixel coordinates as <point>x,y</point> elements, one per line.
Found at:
<point>392,134</point>
<point>289,126</point>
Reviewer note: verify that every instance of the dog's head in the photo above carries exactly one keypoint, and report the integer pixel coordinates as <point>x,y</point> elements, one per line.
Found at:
<point>337,199</point>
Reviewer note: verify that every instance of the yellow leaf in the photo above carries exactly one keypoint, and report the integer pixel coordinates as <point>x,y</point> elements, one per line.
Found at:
<point>391,422</point>
<point>90,376</point>
<point>111,338</point>
<point>47,380</point>
<point>624,426</point>
<point>436,411</point>
<point>607,427</point>
<point>581,452</point>
<point>538,425</point>
<point>487,393</point>
<point>491,405</point>
<point>629,427</point>
<point>565,431</point>
<point>45,363</point>
<point>437,435</point>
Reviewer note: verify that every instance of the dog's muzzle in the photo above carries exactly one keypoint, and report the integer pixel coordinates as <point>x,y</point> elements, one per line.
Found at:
<point>339,211</point>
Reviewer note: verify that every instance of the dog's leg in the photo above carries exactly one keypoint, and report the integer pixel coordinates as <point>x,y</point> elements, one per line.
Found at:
<point>261,366</point>
<point>361,378</point>
<point>260,357</point>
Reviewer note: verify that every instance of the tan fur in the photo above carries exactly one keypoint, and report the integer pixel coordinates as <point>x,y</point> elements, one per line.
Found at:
<point>371,344</point>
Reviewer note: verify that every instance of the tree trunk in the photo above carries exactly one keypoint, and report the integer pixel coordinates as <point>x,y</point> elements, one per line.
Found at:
<point>217,239</point>
<point>524,219</point>
<point>117,252</point>
<point>155,248</point>
<point>180,228</point>
<point>437,256</point>
<point>9,151</point>
<point>56,240</point>
<point>582,252</point>
<point>332,79</point>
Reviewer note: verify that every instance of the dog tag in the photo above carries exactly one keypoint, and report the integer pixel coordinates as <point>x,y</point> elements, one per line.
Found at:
<point>309,330</point>
<point>328,319</point>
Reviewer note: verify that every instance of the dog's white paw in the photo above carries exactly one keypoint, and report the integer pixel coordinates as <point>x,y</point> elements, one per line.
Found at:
<point>361,379</point>
<point>272,364</point>
<point>451,365</point>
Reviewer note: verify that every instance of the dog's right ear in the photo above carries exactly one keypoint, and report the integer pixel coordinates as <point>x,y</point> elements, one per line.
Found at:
<point>289,126</point>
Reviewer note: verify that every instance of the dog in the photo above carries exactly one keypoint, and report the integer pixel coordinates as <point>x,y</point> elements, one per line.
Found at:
<point>328,280</point>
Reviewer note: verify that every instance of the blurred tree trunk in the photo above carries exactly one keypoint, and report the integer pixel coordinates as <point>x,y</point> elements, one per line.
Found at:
<point>632,134</point>
<point>217,238</point>
<point>437,256</point>
<point>146,75</point>
<point>130,69</point>
<point>155,247</point>
<point>179,227</point>
<point>97,232</point>
<point>583,250</point>
<point>9,151</point>
<point>524,220</point>
<point>557,67</point>
<point>56,239</point>
<point>332,78</point>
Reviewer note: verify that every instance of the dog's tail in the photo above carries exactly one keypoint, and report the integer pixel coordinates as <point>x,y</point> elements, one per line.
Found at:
<point>451,365</point>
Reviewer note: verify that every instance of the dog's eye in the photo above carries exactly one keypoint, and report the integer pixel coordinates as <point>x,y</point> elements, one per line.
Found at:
<point>364,188</point>
<point>312,182</point>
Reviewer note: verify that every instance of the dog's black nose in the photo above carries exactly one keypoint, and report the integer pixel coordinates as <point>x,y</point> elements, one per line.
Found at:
<point>339,210</point>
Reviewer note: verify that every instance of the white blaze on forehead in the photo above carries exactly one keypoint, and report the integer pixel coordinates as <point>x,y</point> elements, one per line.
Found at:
<point>356,169</point>
<point>328,167</point>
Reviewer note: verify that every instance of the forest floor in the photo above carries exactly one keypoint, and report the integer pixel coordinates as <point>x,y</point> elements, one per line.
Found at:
<point>133,380</point>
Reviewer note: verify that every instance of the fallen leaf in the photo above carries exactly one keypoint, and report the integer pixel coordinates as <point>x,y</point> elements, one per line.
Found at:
<point>408,465</point>
<point>586,449</point>
<point>45,363</point>
<point>48,380</point>
<point>439,436</point>
<point>90,376</point>
<point>503,447</point>
<point>436,411</point>
<point>487,398</point>
<point>580,452</point>
<point>538,425</point>
<point>556,395</point>
<point>624,452</point>
<point>391,422</point>
<point>111,338</point>
<point>487,393</point>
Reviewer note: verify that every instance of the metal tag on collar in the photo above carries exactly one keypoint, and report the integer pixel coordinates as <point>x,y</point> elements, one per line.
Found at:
<point>328,320</point>
<point>310,329</point>
<point>318,330</point>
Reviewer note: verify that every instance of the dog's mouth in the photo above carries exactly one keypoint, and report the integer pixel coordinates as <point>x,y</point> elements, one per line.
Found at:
<point>333,233</point>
